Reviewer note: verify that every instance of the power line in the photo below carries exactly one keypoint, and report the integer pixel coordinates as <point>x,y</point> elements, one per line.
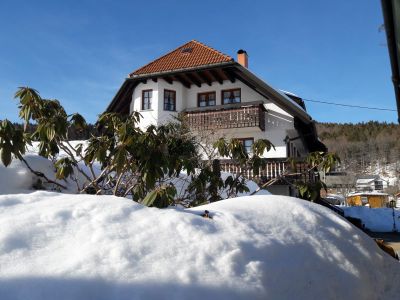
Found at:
<point>349,105</point>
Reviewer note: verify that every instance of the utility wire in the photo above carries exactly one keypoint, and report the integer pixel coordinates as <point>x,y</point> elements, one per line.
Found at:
<point>348,105</point>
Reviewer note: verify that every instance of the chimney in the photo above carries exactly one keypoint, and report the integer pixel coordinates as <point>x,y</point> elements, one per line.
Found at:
<point>242,58</point>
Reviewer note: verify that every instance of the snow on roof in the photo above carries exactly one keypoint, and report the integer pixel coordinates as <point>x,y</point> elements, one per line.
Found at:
<point>368,193</point>
<point>289,99</point>
<point>289,93</point>
<point>336,196</point>
<point>368,177</point>
<point>57,246</point>
<point>365,181</point>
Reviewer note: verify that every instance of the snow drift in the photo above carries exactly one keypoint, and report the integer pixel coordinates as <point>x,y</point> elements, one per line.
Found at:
<point>58,246</point>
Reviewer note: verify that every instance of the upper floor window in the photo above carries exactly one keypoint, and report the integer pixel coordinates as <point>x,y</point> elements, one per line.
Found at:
<point>247,144</point>
<point>378,184</point>
<point>231,96</point>
<point>147,95</point>
<point>169,100</point>
<point>206,99</point>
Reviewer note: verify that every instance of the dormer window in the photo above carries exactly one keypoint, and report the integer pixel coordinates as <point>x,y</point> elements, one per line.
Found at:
<point>169,100</point>
<point>231,96</point>
<point>187,50</point>
<point>147,95</point>
<point>206,99</point>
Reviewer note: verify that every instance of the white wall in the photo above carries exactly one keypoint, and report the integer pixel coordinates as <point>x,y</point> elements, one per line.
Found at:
<point>181,96</point>
<point>275,132</point>
<point>277,121</point>
<point>150,117</point>
<point>247,94</point>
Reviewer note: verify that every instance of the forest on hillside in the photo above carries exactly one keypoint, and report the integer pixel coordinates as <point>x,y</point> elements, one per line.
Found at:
<point>363,147</point>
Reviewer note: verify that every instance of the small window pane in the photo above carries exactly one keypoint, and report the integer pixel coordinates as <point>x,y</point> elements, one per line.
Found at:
<point>169,100</point>
<point>248,143</point>
<point>146,99</point>
<point>231,96</point>
<point>225,97</point>
<point>206,99</point>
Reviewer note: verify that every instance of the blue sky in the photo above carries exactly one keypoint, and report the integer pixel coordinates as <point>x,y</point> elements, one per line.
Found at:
<point>79,52</point>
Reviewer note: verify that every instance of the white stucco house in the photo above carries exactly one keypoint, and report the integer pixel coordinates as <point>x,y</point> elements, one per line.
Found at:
<point>222,96</point>
<point>371,183</point>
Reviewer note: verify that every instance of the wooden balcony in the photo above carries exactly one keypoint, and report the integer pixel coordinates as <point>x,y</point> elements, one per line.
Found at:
<point>238,115</point>
<point>272,169</point>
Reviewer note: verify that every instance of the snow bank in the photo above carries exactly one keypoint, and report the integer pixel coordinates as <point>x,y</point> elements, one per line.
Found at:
<point>57,246</point>
<point>375,219</point>
<point>17,178</point>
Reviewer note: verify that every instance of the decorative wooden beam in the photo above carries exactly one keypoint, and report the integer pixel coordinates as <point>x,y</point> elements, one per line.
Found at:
<point>168,79</point>
<point>228,73</point>
<point>154,79</point>
<point>193,79</point>
<point>215,76</point>
<point>182,80</point>
<point>204,77</point>
<point>144,81</point>
<point>124,103</point>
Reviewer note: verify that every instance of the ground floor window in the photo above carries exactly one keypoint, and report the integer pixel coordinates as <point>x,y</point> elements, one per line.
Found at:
<point>146,99</point>
<point>291,150</point>
<point>169,100</point>
<point>247,143</point>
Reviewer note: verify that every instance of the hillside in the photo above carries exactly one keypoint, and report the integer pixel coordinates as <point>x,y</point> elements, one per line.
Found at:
<point>364,147</point>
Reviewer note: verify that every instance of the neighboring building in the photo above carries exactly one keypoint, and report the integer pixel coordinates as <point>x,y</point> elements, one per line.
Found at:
<point>219,97</point>
<point>370,183</point>
<point>338,179</point>
<point>371,199</point>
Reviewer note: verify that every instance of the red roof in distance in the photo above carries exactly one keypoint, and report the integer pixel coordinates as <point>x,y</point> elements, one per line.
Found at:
<point>190,55</point>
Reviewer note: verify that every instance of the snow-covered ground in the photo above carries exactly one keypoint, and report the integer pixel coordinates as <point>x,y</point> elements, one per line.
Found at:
<point>70,246</point>
<point>63,246</point>
<point>375,219</point>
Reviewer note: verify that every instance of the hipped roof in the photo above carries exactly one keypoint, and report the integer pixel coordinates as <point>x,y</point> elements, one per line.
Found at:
<point>190,55</point>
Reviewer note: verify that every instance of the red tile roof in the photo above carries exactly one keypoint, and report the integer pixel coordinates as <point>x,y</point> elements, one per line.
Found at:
<point>190,55</point>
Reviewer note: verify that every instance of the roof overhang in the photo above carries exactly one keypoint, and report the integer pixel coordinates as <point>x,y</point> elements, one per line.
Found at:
<point>188,76</point>
<point>391,17</point>
<point>219,72</point>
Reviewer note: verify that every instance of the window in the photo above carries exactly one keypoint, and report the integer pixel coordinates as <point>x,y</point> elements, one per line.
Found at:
<point>378,184</point>
<point>247,143</point>
<point>206,99</point>
<point>364,200</point>
<point>231,96</point>
<point>169,100</point>
<point>146,99</point>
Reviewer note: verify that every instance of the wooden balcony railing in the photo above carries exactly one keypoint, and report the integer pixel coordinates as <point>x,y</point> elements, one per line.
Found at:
<point>272,169</point>
<point>225,117</point>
